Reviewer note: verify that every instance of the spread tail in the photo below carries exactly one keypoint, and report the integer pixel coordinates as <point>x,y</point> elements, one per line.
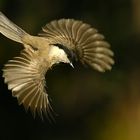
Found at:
<point>10,30</point>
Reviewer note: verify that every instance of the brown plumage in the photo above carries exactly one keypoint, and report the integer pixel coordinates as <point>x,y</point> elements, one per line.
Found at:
<point>59,41</point>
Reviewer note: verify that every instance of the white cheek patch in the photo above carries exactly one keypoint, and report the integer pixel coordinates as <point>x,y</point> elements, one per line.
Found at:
<point>58,55</point>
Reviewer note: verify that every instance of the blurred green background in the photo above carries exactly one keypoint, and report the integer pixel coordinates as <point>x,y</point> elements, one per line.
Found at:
<point>90,105</point>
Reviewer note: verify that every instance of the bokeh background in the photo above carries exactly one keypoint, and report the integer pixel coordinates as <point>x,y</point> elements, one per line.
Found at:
<point>90,105</point>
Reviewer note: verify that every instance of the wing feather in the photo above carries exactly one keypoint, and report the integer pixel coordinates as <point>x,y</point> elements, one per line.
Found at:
<point>82,39</point>
<point>25,76</point>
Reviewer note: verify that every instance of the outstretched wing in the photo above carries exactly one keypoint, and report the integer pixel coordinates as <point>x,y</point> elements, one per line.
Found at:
<point>85,41</point>
<point>25,76</point>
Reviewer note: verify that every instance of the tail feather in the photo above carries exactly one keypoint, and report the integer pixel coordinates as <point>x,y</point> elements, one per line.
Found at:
<point>10,30</point>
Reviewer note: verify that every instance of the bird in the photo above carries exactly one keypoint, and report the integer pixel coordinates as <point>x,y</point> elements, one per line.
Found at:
<point>59,41</point>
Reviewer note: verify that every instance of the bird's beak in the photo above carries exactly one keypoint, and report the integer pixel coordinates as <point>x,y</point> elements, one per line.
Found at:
<point>71,65</point>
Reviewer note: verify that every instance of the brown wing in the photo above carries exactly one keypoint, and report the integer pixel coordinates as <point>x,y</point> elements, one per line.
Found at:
<point>25,76</point>
<point>89,45</point>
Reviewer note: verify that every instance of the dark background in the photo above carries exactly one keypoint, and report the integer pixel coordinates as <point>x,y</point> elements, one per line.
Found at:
<point>90,105</point>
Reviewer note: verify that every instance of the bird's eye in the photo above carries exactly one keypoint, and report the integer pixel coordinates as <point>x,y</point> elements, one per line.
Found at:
<point>70,53</point>
<point>72,56</point>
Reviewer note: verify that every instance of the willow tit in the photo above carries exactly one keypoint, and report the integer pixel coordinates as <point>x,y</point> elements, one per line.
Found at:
<point>62,40</point>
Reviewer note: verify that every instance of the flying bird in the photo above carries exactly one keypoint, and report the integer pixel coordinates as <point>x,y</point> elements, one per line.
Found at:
<point>63,40</point>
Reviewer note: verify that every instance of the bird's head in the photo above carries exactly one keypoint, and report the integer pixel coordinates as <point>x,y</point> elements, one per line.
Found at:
<point>61,53</point>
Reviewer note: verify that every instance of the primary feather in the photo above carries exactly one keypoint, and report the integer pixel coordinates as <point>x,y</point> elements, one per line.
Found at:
<point>25,76</point>
<point>85,41</point>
